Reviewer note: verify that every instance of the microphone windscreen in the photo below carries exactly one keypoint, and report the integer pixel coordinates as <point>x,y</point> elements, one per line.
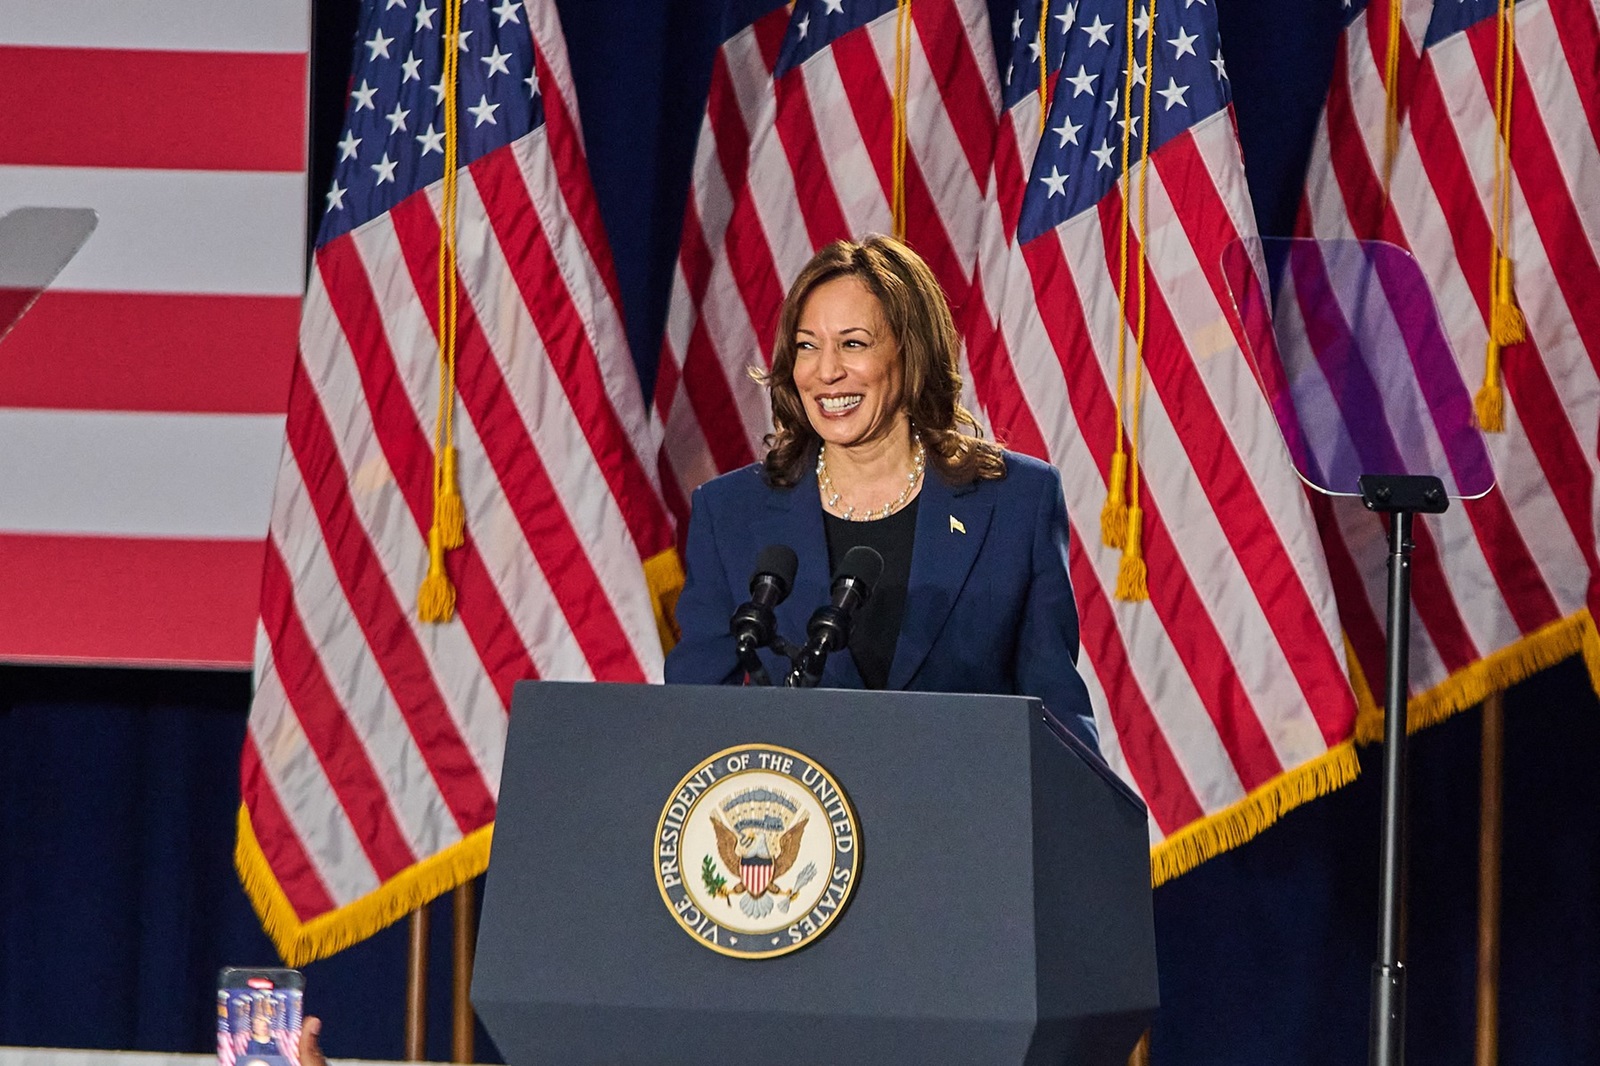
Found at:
<point>863,564</point>
<point>780,561</point>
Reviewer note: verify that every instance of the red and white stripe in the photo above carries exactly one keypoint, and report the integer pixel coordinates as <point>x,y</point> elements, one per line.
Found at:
<point>781,170</point>
<point>1232,673</point>
<point>375,740</point>
<point>142,398</point>
<point>1488,574</point>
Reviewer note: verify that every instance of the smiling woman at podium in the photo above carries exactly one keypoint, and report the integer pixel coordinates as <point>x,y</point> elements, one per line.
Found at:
<point>868,451</point>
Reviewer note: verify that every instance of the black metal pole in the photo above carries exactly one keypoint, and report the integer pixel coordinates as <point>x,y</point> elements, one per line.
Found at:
<point>1386,1044</point>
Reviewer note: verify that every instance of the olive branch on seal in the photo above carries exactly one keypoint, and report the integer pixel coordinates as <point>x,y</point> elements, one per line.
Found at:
<point>714,881</point>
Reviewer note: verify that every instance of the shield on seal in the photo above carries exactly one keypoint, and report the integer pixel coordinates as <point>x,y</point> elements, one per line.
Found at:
<point>756,873</point>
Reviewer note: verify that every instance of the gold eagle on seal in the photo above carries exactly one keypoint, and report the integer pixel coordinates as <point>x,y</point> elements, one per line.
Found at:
<point>758,848</point>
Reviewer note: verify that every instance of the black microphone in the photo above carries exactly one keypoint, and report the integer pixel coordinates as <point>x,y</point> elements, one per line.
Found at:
<point>829,627</point>
<point>754,625</point>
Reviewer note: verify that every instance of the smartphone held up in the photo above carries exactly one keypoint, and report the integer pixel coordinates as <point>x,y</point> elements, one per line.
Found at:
<point>259,1017</point>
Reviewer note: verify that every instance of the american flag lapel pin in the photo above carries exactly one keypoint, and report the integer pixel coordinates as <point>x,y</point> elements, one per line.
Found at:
<point>956,526</point>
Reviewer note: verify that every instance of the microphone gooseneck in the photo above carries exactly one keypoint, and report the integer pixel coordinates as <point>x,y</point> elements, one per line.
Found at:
<point>754,625</point>
<point>829,627</point>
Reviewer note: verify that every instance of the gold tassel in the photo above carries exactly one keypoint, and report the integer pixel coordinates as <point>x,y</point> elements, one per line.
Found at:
<point>1114,515</point>
<point>1490,403</point>
<point>1132,575</point>
<point>450,514</point>
<point>436,599</point>
<point>1505,317</point>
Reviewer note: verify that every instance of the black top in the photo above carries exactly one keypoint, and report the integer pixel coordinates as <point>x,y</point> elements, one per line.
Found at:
<point>875,628</point>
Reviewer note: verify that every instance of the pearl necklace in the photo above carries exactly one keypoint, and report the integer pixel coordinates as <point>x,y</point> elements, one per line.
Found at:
<point>831,494</point>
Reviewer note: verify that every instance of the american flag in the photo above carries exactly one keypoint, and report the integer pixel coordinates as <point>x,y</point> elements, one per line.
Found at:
<point>142,399</point>
<point>371,767</point>
<point>1504,585</point>
<point>797,150</point>
<point>1223,699</point>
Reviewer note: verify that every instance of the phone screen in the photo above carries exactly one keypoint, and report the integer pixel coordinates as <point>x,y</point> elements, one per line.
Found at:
<point>258,1017</point>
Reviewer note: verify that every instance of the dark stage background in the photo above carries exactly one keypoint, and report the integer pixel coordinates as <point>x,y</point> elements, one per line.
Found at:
<point>118,788</point>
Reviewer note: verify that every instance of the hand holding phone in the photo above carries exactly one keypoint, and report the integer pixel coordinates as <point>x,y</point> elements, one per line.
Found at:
<point>259,1017</point>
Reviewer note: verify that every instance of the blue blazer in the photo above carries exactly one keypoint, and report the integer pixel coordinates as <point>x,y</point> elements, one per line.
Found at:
<point>989,606</point>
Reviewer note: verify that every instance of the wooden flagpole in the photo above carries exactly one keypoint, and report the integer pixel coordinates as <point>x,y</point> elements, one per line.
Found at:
<point>417,987</point>
<point>1486,1049</point>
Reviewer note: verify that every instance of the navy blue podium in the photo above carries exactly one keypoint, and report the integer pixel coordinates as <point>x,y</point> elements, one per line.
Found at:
<point>1001,911</point>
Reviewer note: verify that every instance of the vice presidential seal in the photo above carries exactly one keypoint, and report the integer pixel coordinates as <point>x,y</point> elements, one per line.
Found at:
<point>757,851</point>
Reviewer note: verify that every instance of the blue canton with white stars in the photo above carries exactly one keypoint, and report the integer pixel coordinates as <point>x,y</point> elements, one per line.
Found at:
<point>1350,9</point>
<point>815,24</point>
<point>1452,16</point>
<point>393,143</point>
<point>1079,157</point>
<point>1019,70</point>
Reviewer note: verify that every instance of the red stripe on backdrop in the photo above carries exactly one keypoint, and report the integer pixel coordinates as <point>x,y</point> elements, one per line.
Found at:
<point>711,398</point>
<point>1377,48</point>
<point>340,750</point>
<point>1544,185</point>
<point>770,30</point>
<point>568,345</point>
<point>1249,530</point>
<point>753,276</point>
<point>117,351</point>
<point>1363,625</point>
<point>1365,203</point>
<point>725,118</point>
<point>1576,272</point>
<point>813,185</point>
<point>995,381</point>
<point>872,102</point>
<point>571,167</point>
<point>129,600</point>
<point>967,99</point>
<point>518,466</point>
<point>1510,560</point>
<point>1578,26</point>
<point>1316,667</point>
<point>1433,598</point>
<point>1196,641</point>
<point>13,302</point>
<point>383,619</point>
<point>667,379</point>
<point>1010,183</point>
<point>408,452</point>
<point>726,125</point>
<point>374,603</point>
<point>694,256</point>
<point>1149,757</point>
<point>154,109</point>
<point>280,843</point>
<point>753,268</point>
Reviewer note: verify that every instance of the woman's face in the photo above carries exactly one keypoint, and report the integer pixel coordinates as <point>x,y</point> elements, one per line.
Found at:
<point>847,365</point>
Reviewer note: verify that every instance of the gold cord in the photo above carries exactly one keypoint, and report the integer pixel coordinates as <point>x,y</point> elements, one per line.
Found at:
<point>436,598</point>
<point>1044,66</point>
<point>1132,575</point>
<point>1114,515</point>
<point>1506,324</point>
<point>1391,95</point>
<point>902,82</point>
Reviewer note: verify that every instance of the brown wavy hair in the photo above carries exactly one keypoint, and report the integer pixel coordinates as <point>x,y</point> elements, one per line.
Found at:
<point>916,312</point>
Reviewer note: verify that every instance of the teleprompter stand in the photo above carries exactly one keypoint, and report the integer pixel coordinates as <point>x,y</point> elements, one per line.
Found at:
<point>1002,912</point>
<point>1401,497</point>
<point>1360,374</point>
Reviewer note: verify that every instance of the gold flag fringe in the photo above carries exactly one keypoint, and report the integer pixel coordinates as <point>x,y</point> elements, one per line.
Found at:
<point>1195,843</point>
<point>663,574</point>
<point>302,942</point>
<point>1225,830</point>
<point>1465,688</point>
